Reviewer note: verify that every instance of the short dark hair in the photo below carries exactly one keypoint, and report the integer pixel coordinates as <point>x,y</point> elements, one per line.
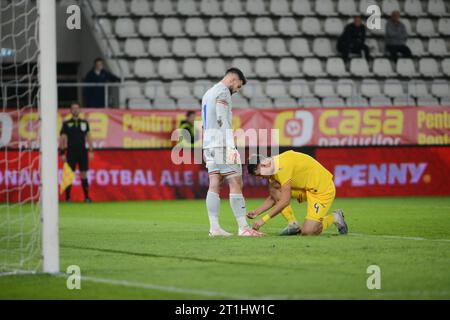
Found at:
<point>98,59</point>
<point>239,73</point>
<point>74,102</point>
<point>189,113</point>
<point>253,161</point>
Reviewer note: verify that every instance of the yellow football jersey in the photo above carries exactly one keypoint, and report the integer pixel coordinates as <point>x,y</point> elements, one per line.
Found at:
<point>303,171</point>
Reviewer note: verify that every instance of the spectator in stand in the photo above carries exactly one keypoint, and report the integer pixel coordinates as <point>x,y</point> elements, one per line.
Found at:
<point>95,96</point>
<point>187,137</point>
<point>352,40</point>
<point>396,36</point>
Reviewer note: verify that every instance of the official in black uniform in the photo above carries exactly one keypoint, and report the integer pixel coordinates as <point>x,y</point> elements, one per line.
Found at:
<point>74,135</point>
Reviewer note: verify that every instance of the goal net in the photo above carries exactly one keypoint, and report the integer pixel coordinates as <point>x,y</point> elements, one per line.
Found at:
<point>21,157</point>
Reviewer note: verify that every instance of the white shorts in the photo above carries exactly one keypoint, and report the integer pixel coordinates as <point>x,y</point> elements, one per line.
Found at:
<point>216,163</point>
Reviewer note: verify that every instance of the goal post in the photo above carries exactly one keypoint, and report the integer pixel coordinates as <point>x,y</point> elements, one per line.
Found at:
<point>48,131</point>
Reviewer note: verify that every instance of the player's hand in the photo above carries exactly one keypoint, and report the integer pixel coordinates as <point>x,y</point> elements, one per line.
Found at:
<point>91,155</point>
<point>252,215</point>
<point>258,224</point>
<point>63,158</point>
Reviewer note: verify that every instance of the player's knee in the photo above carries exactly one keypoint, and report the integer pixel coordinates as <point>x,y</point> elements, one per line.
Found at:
<point>312,230</point>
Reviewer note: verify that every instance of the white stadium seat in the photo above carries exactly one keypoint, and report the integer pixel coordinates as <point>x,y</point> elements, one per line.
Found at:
<point>380,101</point>
<point>163,7</point>
<point>252,89</point>
<point>408,27</point>
<point>187,7</point>
<point>427,101</point>
<point>253,47</point>
<point>124,27</point>
<point>382,67</point>
<point>210,7</point>
<point>333,102</point>
<point>265,68</point>
<point>205,47</point>
<point>215,67</point>
<point>370,88</point>
<point>311,26</point>
<point>347,7</point>
<point>309,102</point>
<point>336,67</point>
<point>171,27</point>
<point>393,88</point>
<point>158,47</point>
<point>261,103</point>
<point>440,88</point>
<point>324,88</point>
<point>374,48</point>
<point>242,27</point>
<point>302,7</point>
<point>276,89</point>
<point>182,47</point>
<point>285,102</point>
<point>299,88</point>
<point>229,47</point>
<point>148,27</point>
<point>188,103</point>
<point>417,88</point>
<point>155,89</point>
<point>132,89</point>
<point>437,47</point>
<point>289,67</point>
<point>164,104</point>
<point>240,102</point>
<point>445,102</point>
<point>276,47</point>
<point>117,8</point>
<point>312,67</point>
<point>429,67</point>
<point>359,67</point>
<point>264,26</point>
<point>140,7</point>
<point>139,104</point>
<point>403,101</point>
<point>280,7</point>
<point>446,66</point>
<point>405,67</point>
<point>104,25</point>
<point>413,8</point>
<point>364,4</point>
<point>193,68</point>
<point>299,47</point>
<point>120,67</point>
<point>325,8</point>
<point>288,26</point>
<point>388,6</point>
<point>322,47</point>
<point>135,48</point>
<point>346,88</point>
<point>256,7</point>
<point>168,69</point>
<point>233,8</point>
<point>195,27</point>
<point>245,65</point>
<point>416,47</point>
<point>357,101</point>
<point>218,27</point>
<point>444,26</point>
<point>97,5</point>
<point>436,8</point>
<point>425,27</point>
<point>333,26</point>
<point>200,87</point>
<point>114,46</point>
<point>180,89</point>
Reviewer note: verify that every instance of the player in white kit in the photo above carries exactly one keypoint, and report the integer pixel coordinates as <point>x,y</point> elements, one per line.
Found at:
<point>220,153</point>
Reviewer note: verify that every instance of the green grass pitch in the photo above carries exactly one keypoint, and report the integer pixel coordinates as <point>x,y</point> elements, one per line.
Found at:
<point>161,250</point>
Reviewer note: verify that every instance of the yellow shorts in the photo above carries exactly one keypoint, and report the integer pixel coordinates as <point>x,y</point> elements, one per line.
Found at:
<point>318,204</point>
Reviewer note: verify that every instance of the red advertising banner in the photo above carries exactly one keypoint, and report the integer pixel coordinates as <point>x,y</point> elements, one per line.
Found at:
<point>402,171</point>
<point>131,129</point>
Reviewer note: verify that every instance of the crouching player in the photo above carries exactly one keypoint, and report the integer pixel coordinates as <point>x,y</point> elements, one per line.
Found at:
<point>294,174</point>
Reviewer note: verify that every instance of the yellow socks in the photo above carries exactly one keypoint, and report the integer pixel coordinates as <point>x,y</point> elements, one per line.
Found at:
<point>327,220</point>
<point>288,214</point>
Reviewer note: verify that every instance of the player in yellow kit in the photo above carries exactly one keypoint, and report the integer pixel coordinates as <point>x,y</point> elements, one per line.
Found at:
<point>295,174</point>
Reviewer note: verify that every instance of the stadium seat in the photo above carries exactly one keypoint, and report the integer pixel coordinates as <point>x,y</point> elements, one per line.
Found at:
<point>200,87</point>
<point>135,48</point>
<point>179,89</point>
<point>276,47</point>
<point>182,47</point>
<point>388,6</point>
<point>446,66</point>
<point>346,88</point>
<point>229,47</point>
<point>261,103</point>
<point>195,27</point>
<point>312,67</point>
<point>187,8</point>
<point>325,8</point>
<point>139,103</point>
<point>164,104</point>
<point>242,27</point>
<point>124,27</point>
<point>393,88</point>
<point>416,47</point>
<point>285,102</point>
<point>413,8</point>
<point>104,27</point>
<point>289,68</point>
<point>240,102</point>
<point>382,67</point>
<point>403,101</point>
<point>302,7</point>
<point>333,26</point>
<point>205,47</point>
<point>148,27</point>
<point>427,101</point>
<point>324,88</point>
<point>309,102</point>
<point>429,67</point>
<point>445,102</point>
<point>436,8</point>
<point>97,6</point>
<point>117,8</point>
<point>437,47</point>
<point>417,88</point>
<point>171,27</point>
<point>210,7</point>
<point>425,27</point>
<point>380,101</point>
<point>113,47</point>
<point>163,7</point>
<point>299,47</point>
<point>311,26</point>
<point>370,88</point>
<point>335,67</point>
<point>120,67</point>
<point>364,4</point>
<point>233,8</point>
<point>218,27</point>
<point>265,68</point>
<point>140,7</point>
<point>405,68</point>
<point>132,89</point>
<point>245,65</point>
<point>155,89</point>
<point>333,102</point>
<point>168,69</point>
<point>359,67</point>
<point>440,88</point>
<point>253,89</point>
<point>275,89</point>
<point>288,26</point>
<point>357,101</point>
<point>347,7</point>
<point>444,26</point>
<point>188,103</point>
<point>374,48</point>
<point>253,47</point>
<point>158,47</point>
<point>299,89</point>
<point>409,29</point>
<point>215,67</point>
<point>380,32</point>
<point>280,8</point>
<point>193,68</point>
<point>256,7</point>
<point>264,27</point>
<point>322,47</point>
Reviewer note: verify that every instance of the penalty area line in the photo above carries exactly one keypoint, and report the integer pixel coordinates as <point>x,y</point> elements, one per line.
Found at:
<point>396,237</point>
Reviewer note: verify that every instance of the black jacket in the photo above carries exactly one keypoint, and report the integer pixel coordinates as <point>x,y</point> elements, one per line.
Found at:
<point>95,96</point>
<point>352,37</point>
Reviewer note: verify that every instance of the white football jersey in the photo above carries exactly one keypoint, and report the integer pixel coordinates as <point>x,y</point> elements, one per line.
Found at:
<point>217,117</point>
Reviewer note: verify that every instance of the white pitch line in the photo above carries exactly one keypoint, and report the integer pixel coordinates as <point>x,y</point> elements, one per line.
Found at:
<point>397,237</point>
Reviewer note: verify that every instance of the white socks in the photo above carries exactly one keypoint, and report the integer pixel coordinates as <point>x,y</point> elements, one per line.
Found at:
<point>237,203</point>
<point>213,206</point>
